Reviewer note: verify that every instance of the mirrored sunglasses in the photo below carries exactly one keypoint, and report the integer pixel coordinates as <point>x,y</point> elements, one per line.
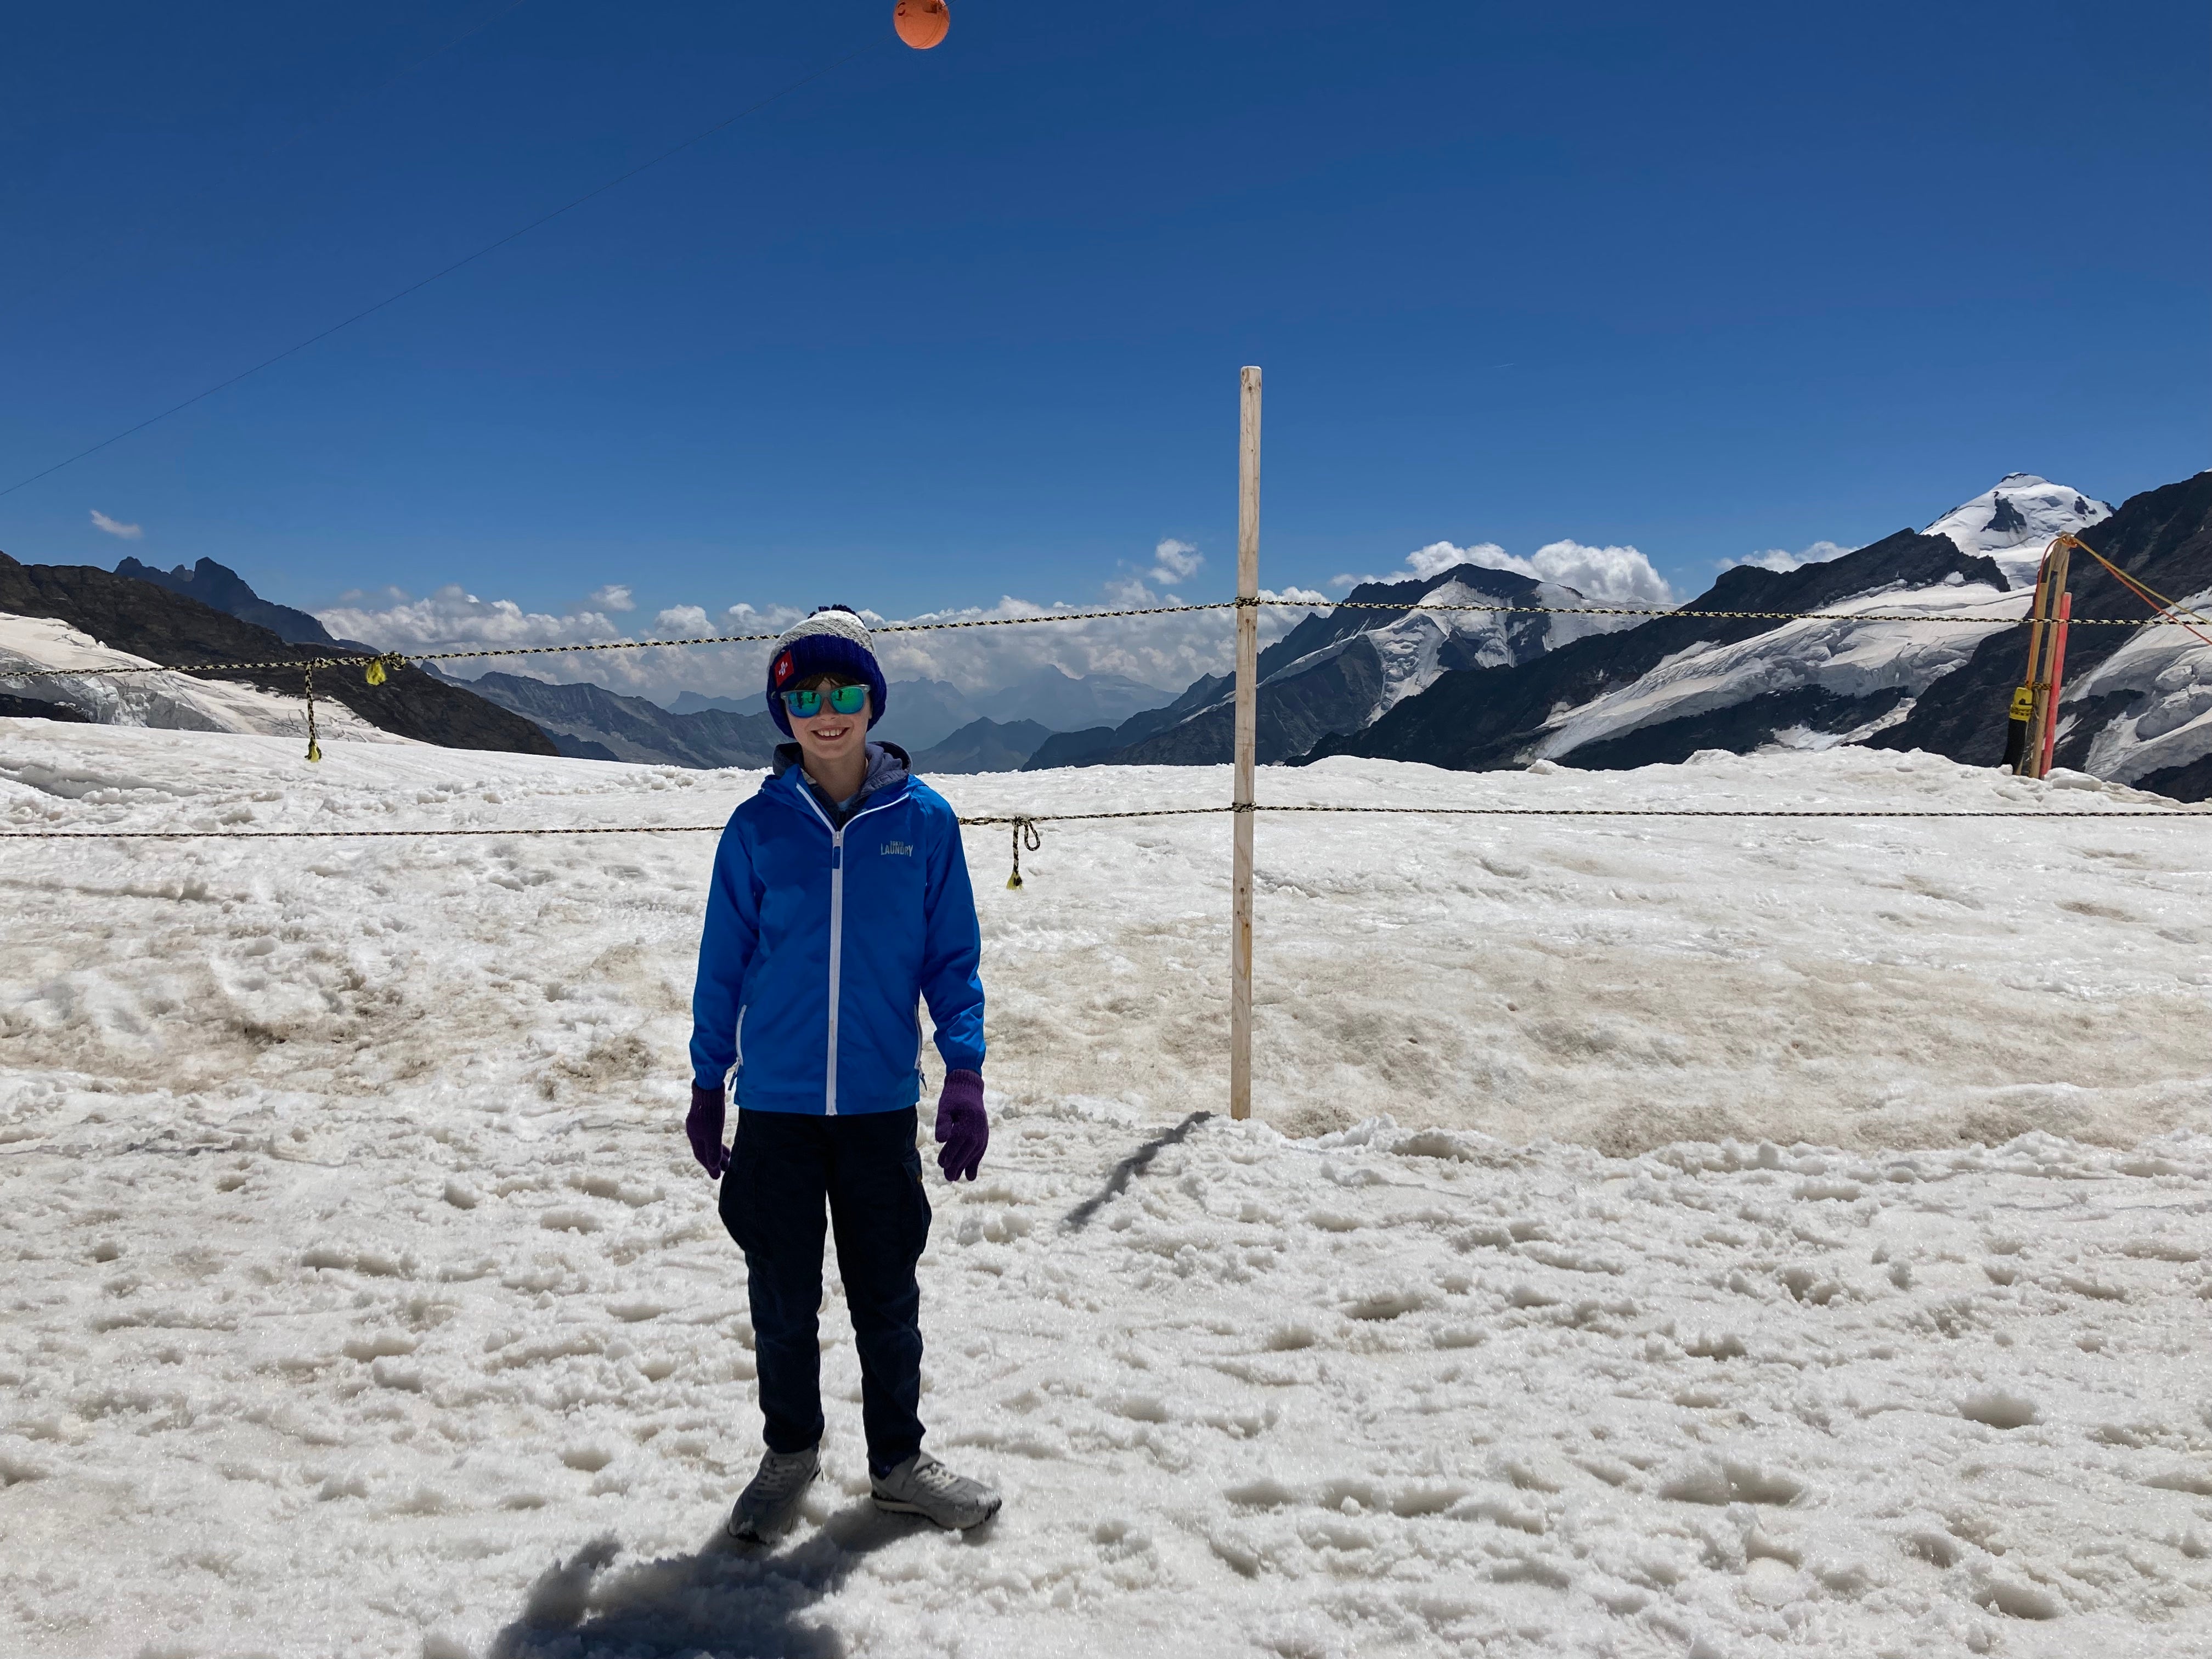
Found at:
<point>839,699</point>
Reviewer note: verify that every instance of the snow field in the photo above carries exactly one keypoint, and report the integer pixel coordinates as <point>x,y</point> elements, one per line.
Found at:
<point>362,1296</point>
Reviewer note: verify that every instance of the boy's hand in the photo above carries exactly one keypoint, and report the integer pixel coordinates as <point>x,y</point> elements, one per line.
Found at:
<point>704,1125</point>
<point>963,1125</point>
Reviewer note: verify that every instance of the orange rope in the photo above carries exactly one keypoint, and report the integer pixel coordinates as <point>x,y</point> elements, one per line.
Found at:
<point>2143,591</point>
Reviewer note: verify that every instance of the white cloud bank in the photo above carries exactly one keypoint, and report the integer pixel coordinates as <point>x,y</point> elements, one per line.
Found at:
<point>1621,576</point>
<point>1167,651</point>
<point>129,532</point>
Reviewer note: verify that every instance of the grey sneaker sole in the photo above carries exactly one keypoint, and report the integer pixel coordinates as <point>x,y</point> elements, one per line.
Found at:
<point>761,1529</point>
<point>899,1506</point>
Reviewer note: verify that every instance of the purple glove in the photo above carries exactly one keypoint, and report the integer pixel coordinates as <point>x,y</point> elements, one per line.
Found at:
<point>963,1125</point>
<point>704,1125</point>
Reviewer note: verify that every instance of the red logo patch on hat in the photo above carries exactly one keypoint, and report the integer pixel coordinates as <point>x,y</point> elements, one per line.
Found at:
<point>782,672</point>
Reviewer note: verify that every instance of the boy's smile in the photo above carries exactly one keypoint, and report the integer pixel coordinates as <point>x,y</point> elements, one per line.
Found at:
<point>834,748</point>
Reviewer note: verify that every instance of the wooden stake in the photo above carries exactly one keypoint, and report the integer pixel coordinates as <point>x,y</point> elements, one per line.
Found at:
<point>2023,763</point>
<point>1248,744</point>
<point>2050,594</point>
<point>2057,680</point>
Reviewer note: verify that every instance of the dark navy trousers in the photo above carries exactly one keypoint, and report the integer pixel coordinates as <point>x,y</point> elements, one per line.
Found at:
<point>785,1168</point>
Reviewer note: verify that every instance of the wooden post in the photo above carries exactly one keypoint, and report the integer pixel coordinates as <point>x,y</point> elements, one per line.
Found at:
<point>2050,594</point>
<point>2021,752</point>
<point>1248,743</point>
<point>2057,680</point>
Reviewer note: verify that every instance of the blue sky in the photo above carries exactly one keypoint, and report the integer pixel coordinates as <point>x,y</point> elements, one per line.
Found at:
<point>942,327</point>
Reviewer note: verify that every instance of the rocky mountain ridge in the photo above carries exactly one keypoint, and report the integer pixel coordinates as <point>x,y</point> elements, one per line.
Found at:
<point>2137,707</point>
<point>589,722</point>
<point>152,621</point>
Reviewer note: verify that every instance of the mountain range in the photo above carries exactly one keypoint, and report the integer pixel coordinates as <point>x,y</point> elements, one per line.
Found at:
<point>220,588</point>
<point>1339,671</point>
<point>933,720</point>
<point>1393,672</point>
<point>156,622</point>
<point>2134,709</point>
<point>590,722</point>
<point>209,613</point>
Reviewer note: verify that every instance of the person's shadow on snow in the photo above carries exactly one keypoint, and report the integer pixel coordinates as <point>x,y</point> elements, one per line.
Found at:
<point>726,1602</point>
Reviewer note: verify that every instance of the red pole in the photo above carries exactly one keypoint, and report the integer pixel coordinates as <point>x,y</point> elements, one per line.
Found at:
<point>2057,679</point>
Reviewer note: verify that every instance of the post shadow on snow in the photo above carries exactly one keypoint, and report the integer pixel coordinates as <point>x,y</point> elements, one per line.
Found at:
<point>724,1603</point>
<point>1129,1169</point>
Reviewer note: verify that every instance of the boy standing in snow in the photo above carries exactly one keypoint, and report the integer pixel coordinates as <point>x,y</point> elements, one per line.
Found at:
<point>840,901</point>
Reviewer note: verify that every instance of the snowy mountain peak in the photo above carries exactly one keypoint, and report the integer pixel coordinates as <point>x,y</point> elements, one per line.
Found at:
<point>2014,521</point>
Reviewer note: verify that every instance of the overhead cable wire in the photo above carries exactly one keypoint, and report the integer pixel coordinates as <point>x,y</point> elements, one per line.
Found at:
<point>696,138</point>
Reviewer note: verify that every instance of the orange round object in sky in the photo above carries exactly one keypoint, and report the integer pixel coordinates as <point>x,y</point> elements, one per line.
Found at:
<point>921,24</point>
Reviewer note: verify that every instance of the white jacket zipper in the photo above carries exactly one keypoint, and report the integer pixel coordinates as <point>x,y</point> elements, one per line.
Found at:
<point>836,931</point>
<point>836,964</point>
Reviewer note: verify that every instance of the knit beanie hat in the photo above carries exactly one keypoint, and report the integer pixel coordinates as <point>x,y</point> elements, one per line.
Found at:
<point>833,640</point>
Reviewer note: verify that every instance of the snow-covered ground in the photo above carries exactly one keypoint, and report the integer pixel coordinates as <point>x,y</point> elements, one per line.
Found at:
<point>1658,1237</point>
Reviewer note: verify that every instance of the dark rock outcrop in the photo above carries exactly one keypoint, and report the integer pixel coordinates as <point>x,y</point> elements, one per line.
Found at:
<point>2006,519</point>
<point>1085,748</point>
<point>166,627</point>
<point>220,588</point>
<point>33,708</point>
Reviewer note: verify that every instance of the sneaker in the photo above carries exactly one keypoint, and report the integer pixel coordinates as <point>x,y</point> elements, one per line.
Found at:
<point>922,1486</point>
<point>766,1505</point>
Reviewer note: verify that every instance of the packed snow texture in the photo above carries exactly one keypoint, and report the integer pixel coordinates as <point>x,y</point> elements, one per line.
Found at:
<point>1656,1237</point>
<point>171,702</point>
<point>2013,522</point>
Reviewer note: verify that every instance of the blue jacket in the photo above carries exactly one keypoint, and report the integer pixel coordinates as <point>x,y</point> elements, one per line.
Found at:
<point>820,941</point>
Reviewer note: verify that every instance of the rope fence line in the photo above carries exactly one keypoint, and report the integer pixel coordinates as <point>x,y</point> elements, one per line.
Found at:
<point>1025,835</point>
<point>1024,824</point>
